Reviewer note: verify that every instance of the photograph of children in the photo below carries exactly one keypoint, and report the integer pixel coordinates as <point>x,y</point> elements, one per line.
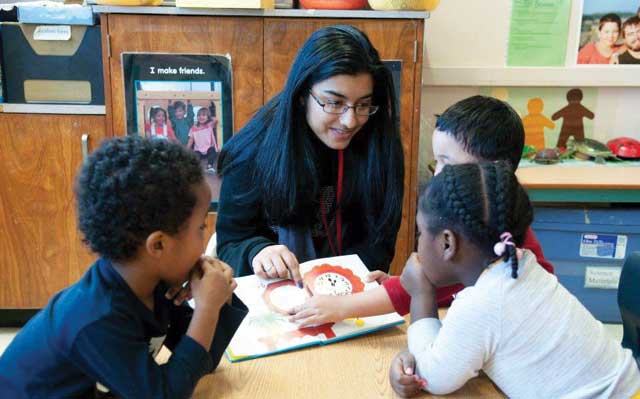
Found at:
<point>609,32</point>
<point>186,117</point>
<point>195,112</point>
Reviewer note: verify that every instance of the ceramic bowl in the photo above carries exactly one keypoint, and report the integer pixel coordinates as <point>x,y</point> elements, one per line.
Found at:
<point>418,5</point>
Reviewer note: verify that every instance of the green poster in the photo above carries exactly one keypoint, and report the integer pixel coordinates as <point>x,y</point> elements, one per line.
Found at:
<point>538,33</point>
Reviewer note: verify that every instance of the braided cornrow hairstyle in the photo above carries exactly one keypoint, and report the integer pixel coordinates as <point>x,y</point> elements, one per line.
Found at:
<point>504,196</point>
<point>480,202</point>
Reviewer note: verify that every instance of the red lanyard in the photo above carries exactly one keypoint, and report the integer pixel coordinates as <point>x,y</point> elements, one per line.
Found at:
<point>338,212</point>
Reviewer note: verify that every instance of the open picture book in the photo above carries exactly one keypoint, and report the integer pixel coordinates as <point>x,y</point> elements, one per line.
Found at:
<point>266,330</point>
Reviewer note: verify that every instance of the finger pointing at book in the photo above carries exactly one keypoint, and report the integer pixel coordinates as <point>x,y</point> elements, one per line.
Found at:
<point>319,309</point>
<point>276,261</point>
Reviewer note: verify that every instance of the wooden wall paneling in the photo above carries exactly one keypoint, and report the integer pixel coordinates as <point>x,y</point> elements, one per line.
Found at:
<point>241,37</point>
<point>40,244</point>
<point>394,40</point>
<point>106,49</point>
<point>412,194</point>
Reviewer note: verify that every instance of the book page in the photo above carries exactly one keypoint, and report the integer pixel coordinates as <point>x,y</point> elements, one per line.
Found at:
<point>266,329</point>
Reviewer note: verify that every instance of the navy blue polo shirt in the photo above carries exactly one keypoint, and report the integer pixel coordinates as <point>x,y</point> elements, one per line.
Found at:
<point>97,332</point>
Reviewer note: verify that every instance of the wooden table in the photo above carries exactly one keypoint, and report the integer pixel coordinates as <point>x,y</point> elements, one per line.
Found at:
<point>355,368</point>
<point>581,183</point>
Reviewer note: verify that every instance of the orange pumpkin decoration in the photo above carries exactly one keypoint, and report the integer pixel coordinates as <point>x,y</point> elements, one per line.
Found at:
<point>334,4</point>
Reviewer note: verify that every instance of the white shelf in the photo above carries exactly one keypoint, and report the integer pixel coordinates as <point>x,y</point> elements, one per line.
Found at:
<point>52,109</point>
<point>246,12</point>
<point>584,76</point>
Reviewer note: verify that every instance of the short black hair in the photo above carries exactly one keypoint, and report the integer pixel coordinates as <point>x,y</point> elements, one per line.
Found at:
<point>486,127</point>
<point>479,201</point>
<point>132,186</point>
<point>179,105</point>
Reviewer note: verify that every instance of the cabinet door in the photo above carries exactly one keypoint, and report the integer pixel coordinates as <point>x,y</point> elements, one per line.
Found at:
<point>240,37</point>
<point>395,40</point>
<point>40,246</point>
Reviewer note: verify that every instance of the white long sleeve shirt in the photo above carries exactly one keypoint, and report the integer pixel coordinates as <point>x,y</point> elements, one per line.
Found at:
<point>531,336</point>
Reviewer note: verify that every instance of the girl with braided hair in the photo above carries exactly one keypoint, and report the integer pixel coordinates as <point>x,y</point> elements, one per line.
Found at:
<point>513,320</point>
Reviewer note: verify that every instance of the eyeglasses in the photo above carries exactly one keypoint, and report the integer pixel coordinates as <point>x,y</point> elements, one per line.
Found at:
<point>338,109</point>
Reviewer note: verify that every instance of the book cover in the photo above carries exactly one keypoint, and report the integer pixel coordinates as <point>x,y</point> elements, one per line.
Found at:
<point>266,330</point>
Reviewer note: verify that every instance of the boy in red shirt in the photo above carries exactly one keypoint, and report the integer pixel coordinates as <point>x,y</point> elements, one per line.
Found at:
<point>475,129</point>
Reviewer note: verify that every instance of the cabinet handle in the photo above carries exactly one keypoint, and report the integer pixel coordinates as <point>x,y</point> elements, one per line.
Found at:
<point>85,146</point>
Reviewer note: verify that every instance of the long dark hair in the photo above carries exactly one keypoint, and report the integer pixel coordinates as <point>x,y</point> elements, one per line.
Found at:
<point>479,201</point>
<point>281,145</point>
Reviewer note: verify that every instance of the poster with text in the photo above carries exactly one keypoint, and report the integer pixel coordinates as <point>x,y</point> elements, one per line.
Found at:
<point>183,98</point>
<point>538,32</point>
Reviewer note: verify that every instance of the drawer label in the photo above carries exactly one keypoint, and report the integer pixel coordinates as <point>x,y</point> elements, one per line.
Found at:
<point>608,246</point>
<point>602,277</point>
<point>52,32</point>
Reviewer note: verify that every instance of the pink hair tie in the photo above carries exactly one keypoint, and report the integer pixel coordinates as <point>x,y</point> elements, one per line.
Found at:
<point>501,246</point>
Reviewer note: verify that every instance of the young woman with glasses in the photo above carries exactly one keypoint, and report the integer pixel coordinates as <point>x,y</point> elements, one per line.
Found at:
<point>318,171</point>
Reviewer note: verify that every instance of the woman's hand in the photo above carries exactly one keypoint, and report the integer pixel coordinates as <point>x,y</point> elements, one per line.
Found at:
<point>402,375</point>
<point>319,309</point>
<point>276,261</point>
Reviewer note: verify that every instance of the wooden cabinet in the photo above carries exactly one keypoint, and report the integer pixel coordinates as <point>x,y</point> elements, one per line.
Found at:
<point>40,154</point>
<point>41,247</point>
<point>262,50</point>
<point>241,38</point>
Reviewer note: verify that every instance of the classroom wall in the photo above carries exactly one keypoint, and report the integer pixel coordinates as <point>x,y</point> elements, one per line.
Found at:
<point>474,35</point>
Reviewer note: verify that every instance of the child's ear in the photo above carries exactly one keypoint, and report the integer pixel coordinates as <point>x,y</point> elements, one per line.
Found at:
<point>155,244</point>
<point>449,244</point>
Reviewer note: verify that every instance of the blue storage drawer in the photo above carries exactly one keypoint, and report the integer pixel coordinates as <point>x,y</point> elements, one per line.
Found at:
<point>587,247</point>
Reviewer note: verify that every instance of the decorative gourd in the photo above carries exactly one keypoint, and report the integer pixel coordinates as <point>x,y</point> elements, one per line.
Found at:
<point>421,5</point>
<point>333,4</point>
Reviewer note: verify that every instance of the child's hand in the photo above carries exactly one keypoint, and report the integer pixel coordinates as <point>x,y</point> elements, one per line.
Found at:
<point>212,283</point>
<point>276,261</point>
<point>378,276</point>
<point>179,293</point>
<point>402,375</point>
<point>319,309</point>
<point>413,278</point>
